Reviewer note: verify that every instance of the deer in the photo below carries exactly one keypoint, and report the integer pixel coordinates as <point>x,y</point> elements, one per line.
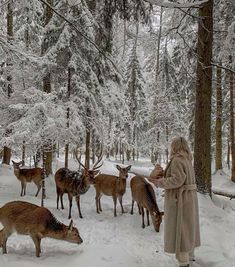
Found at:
<point>111,185</point>
<point>38,222</point>
<point>75,183</point>
<point>143,193</point>
<point>27,176</point>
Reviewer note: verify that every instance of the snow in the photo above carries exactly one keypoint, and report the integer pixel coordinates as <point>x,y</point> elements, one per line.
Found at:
<point>120,241</point>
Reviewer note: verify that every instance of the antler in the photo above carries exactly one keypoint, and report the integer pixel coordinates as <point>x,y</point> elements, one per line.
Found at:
<point>100,157</point>
<point>75,153</point>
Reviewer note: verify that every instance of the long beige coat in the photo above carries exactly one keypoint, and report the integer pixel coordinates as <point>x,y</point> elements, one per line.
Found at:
<point>181,220</point>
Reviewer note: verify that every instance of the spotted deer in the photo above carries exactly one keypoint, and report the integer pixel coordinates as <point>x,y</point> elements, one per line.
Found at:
<point>143,193</point>
<point>75,183</point>
<point>111,185</point>
<point>27,176</point>
<point>26,218</point>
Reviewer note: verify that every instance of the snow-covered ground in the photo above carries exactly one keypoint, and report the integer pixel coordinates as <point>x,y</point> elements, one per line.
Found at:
<point>120,241</point>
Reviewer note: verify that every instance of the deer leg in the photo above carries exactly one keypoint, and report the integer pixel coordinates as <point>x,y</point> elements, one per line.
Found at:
<point>22,188</point>
<point>4,236</point>
<point>37,243</point>
<point>139,209</point>
<point>100,204</point>
<point>115,205</point>
<point>58,197</point>
<point>25,188</point>
<point>39,187</point>
<point>97,200</point>
<point>78,205</point>
<point>120,201</point>
<point>147,217</point>
<point>132,207</point>
<point>142,212</point>
<point>61,201</point>
<point>70,204</point>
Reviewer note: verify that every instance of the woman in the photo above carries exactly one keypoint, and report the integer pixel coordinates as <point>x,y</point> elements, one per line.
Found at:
<point>181,231</point>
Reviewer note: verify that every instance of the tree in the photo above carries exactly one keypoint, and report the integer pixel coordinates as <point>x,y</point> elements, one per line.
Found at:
<point>218,127</point>
<point>202,146</point>
<point>7,150</point>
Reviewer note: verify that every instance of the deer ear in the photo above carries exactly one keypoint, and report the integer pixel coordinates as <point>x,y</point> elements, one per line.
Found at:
<point>128,167</point>
<point>71,225</point>
<point>118,167</point>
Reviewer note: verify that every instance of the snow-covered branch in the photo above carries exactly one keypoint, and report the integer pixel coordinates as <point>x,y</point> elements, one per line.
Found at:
<point>165,3</point>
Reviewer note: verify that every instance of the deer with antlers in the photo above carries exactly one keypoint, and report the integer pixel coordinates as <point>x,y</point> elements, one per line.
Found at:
<point>75,183</point>
<point>111,185</point>
<point>27,176</point>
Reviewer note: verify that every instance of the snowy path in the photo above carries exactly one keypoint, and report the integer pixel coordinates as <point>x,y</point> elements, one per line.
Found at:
<point>114,242</point>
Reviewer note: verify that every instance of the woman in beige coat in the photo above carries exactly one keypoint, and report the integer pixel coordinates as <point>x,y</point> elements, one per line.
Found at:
<point>181,222</point>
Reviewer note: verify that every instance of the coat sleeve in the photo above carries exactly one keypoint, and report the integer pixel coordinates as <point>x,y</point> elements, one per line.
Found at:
<point>177,177</point>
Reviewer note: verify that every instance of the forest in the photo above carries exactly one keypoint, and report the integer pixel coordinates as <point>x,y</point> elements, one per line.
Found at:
<point>94,83</point>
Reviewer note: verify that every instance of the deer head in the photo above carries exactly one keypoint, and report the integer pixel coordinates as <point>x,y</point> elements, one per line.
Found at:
<point>16,165</point>
<point>157,219</point>
<point>123,172</point>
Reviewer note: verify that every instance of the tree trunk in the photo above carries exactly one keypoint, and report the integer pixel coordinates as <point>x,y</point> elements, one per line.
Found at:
<point>123,154</point>
<point>232,139</point>
<point>87,153</point>
<point>93,145</point>
<point>228,154</point>
<point>10,36</point>
<point>66,162</point>
<point>218,126</point>
<point>6,155</point>
<point>167,140</point>
<point>202,145</point>
<point>48,154</point>
<point>7,150</point>
<point>48,13</point>
<point>23,153</point>
<point>158,48</point>
<point>88,136</point>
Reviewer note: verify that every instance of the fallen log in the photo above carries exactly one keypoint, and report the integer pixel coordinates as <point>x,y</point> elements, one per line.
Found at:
<point>224,194</point>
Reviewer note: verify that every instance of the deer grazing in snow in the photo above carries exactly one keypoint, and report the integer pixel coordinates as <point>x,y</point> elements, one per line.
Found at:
<point>111,185</point>
<point>75,183</point>
<point>143,193</point>
<point>27,176</point>
<point>37,222</point>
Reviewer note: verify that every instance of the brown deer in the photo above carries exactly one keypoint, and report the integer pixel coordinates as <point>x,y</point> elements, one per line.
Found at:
<point>143,193</point>
<point>38,222</point>
<point>111,185</point>
<point>27,176</point>
<point>75,183</point>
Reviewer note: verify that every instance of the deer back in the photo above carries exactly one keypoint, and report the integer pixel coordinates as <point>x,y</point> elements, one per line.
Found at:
<point>71,182</point>
<point>143,193</point>
<point>29,175</point>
